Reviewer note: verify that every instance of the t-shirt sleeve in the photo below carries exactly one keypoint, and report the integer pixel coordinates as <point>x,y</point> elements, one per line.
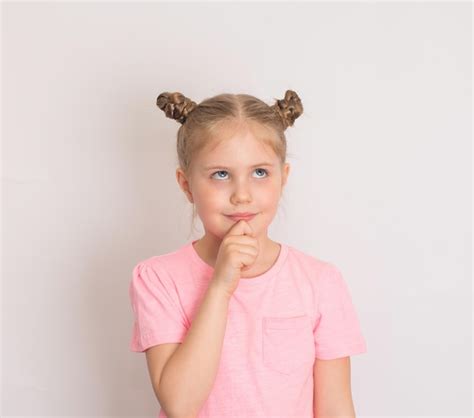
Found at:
<point>158,315</point>
<point>337,330</point>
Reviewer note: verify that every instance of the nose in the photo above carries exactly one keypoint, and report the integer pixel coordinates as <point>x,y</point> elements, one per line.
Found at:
<point>241,193</point>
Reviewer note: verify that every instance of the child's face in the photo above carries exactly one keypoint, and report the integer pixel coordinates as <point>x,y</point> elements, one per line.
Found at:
<point>223,181</point>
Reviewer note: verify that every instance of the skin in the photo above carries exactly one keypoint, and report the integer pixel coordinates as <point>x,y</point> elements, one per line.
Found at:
<point>234,186</point>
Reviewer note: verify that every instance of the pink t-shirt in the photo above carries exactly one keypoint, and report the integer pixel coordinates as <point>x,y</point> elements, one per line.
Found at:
<point>278,323</point>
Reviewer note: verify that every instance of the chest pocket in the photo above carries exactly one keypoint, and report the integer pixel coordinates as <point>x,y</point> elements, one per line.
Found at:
<point>288,343</point>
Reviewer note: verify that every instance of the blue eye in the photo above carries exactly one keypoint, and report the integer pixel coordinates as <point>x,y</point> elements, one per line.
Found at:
<point>262,169</point>
<point>220,171</point>
<point>224,171</point>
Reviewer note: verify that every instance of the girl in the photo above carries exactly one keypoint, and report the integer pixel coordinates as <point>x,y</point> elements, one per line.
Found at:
<point>235,324</point>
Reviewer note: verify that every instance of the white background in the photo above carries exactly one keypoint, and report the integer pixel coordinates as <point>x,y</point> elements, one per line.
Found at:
<point>379,184</point>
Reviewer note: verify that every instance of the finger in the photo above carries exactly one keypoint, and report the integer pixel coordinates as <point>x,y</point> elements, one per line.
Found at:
<point>248,250</point>
<point>243,240</point>
<point>241,228</point>
<point>247,260</point>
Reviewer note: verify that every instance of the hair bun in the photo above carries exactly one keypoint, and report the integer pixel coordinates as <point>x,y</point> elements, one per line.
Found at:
<point>289,108</point>
<point>175,105</point>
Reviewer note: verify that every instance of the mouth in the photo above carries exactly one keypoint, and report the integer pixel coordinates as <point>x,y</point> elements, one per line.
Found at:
<point>239,216</point>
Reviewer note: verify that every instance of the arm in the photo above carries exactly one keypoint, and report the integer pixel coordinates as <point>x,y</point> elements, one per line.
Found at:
<point>189,374</point>
<point>332,389</point>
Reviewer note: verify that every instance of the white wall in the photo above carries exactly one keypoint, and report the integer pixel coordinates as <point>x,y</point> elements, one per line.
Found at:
<point>380,183</point>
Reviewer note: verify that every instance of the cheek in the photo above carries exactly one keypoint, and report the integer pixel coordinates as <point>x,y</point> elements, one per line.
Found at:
<point>209,197</point>
<point>271,193</point>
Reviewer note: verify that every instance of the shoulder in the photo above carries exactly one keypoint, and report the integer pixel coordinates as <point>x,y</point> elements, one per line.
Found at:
<point>166,268</point>
<point>164,276</point>
<point>321,274</point>
<point>317,266</point>
<point>165,261</point>
<point>319,280</point>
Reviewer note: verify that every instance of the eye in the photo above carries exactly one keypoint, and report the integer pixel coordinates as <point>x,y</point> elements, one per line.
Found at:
<point>224,171</point>
<point>262,169</point>
<point>220,171</point>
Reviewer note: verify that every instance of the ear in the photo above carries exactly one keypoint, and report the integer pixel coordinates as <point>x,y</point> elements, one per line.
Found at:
<point>184,184</point>
<point>285,173</point>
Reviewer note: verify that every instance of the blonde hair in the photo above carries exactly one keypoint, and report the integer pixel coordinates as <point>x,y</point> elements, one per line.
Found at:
<point>200,122</point>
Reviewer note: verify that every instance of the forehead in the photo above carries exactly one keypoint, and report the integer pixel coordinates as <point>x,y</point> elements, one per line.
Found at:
<point>230,143</point>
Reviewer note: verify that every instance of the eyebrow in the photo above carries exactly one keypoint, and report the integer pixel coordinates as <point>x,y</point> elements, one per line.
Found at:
<point>214,167</point>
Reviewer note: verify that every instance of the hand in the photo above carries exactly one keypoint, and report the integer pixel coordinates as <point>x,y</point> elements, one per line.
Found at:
<point>237,252</point>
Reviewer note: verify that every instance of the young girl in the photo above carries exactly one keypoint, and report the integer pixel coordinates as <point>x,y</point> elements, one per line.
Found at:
<point>235,324</point>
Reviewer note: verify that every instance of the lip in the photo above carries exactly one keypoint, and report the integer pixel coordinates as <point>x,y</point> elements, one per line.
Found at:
<point>238,216</point>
